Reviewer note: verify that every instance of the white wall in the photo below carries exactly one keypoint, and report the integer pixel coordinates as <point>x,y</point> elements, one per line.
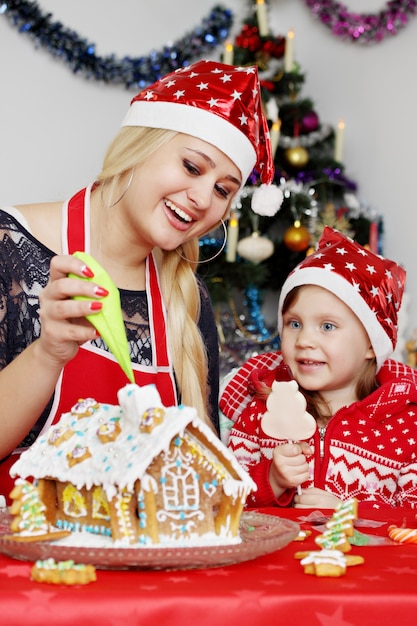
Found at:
<point>55,126</point>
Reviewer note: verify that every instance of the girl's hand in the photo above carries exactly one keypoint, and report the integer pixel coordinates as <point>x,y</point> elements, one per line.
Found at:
<point>313,498</point>
<point>289,466</point>
<point>63,324</point>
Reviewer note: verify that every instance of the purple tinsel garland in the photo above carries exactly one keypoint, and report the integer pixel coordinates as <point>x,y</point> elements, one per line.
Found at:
<point>364,28</point>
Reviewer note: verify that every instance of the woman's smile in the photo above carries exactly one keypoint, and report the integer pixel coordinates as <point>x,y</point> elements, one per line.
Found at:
<point>181,191</point>
<point>179,213</point>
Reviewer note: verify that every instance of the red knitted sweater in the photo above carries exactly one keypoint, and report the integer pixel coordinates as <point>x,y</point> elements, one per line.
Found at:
<point>368,451</point>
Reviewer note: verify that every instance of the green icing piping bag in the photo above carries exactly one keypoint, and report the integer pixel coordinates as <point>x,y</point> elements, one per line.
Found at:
<point>108,321</point>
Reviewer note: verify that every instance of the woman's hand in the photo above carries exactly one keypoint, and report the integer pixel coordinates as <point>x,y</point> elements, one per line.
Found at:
<point>313,498</point>
<point>289,466</point>
<point>63,324</point>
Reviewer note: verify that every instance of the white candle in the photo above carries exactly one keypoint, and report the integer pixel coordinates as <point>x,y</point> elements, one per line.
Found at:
<point>339,141</point>
<point>289,52</point>
<point>274,134</point>
<point>232,237</point>
<point>272,111</point>
<point>228,53</point>
<point>262,15</point>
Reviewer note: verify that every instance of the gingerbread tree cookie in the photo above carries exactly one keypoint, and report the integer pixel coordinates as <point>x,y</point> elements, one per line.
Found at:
<point>29,522</point>
<point>332,559</point>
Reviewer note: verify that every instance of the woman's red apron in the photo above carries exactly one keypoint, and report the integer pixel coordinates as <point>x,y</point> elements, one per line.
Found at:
<point>93,372</point>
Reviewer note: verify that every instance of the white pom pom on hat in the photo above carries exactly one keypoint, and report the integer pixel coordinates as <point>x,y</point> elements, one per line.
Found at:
<point>267,200</point>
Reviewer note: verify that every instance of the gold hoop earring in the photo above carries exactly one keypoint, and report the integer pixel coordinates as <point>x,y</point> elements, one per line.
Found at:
<point>219,251</point>
<point>129,182</point>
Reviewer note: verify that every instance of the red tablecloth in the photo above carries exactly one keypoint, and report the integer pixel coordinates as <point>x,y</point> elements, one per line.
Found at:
<point>271,589</point>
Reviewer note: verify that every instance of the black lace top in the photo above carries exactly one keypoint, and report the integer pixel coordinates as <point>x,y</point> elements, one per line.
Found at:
<point>25,272</point>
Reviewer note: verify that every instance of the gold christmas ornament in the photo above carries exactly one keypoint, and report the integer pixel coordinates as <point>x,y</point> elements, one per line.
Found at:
<point>297,157</point>
<point>255,248</point>
<point>297,237</point>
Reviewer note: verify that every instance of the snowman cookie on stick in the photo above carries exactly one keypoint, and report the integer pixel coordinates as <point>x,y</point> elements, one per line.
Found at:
<point>286,416</point>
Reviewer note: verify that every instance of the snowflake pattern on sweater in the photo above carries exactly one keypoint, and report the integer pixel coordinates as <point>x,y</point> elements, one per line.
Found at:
<point>368,450</point>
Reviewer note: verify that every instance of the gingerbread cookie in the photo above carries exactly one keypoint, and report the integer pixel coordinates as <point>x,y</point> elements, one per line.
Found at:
<point>63,573</point>
<point>59,435</point>
<point>286,416</point>
<point>85,407</point>
<point>77,455</point>
<point>303,534</point>
<point>151,418</point>
<point>108,431</point>
<point>330,563</point>
<point>30,522</point>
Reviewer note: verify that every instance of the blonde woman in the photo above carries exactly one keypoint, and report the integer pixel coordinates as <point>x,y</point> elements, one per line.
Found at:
<point>186,146</point>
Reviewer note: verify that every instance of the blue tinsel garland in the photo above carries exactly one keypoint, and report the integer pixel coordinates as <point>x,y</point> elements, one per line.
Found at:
<point>134,73</point>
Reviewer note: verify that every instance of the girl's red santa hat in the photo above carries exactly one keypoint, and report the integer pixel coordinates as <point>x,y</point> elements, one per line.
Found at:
<point>218,103</point>
<point>371,285</point>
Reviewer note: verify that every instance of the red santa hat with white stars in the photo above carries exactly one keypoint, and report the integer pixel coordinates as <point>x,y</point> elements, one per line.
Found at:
<point>369,284</point>
<point>218,103</point>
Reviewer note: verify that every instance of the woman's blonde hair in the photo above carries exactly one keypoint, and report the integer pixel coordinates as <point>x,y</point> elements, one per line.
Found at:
<point>131,146</point>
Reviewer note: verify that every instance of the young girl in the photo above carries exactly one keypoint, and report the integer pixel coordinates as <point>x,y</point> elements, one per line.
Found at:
<point>187,144</point>
<point>337,316</point>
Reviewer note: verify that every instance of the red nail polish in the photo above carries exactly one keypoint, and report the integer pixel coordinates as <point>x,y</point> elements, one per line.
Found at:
<point>96,306</point>
<point>85,271</point>
<point>101,292</point>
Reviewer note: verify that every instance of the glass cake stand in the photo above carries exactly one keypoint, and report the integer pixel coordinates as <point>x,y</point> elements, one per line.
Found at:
<point>261,534</point>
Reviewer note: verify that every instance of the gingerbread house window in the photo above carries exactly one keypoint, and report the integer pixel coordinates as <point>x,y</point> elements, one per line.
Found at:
<point>74,504</point>
<point>180,488</point>
<point>100,505</point>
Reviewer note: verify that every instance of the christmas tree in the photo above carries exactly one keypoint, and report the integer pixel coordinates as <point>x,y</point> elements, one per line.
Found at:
<point>263,249</point>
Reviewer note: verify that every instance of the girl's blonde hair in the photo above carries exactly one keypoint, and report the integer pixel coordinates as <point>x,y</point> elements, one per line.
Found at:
<point>131,146</point>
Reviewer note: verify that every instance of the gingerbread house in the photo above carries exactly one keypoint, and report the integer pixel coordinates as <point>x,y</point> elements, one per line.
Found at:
<point>138,472</point>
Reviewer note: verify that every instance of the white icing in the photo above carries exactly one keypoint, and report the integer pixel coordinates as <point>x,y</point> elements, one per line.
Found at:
<point>331,557</point>
<point>117,466</point>
<point>135,404</point>
<point>148,483</point>
<point>235,488</point>
<point>286,416</point>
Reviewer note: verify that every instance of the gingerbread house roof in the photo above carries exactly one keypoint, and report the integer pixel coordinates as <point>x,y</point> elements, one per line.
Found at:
<point>118,464</point>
